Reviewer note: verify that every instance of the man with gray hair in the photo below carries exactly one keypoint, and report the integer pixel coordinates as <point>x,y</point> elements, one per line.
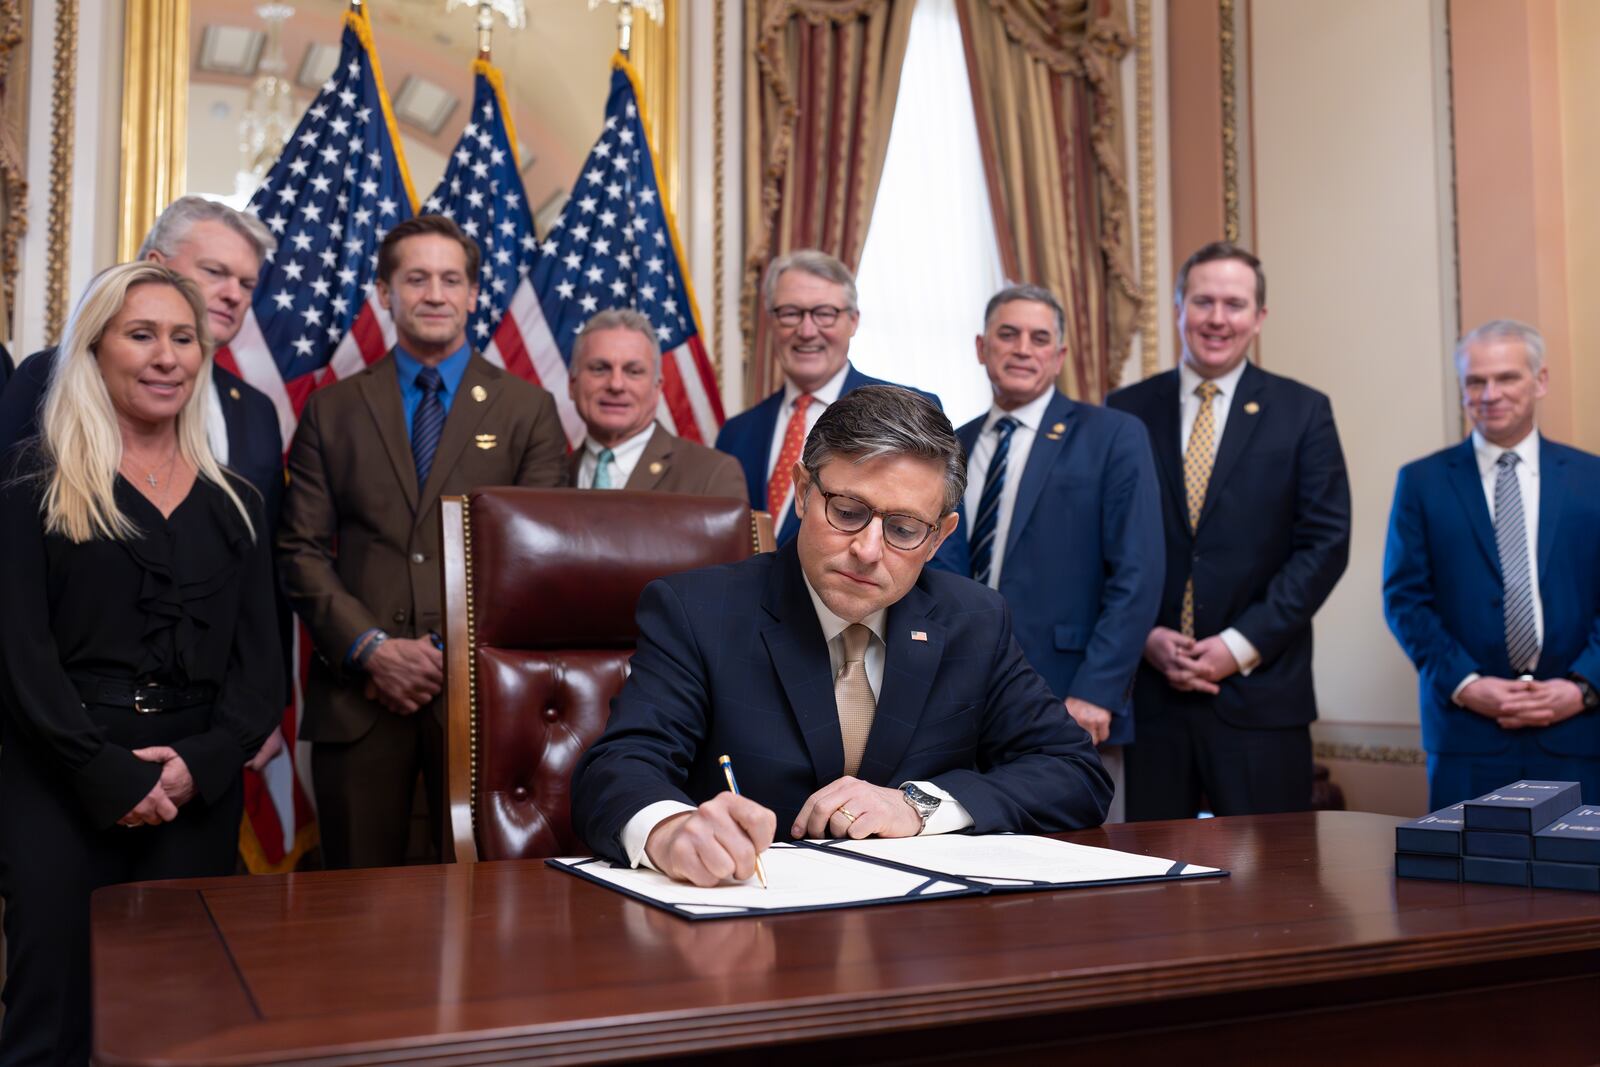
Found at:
<point>1491,584</point>
<point>859,693</point>
<point>1064,514</point>
<point>616,387</point>
<point>810,301</point>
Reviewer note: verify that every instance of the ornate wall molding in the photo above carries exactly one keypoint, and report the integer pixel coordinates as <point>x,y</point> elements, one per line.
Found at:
<point>13,159</point>
<point>1145,168</point>
<point>1230,124</point>
<point>1404,755</point>
<point>155,115</point>
<point>63,97</point>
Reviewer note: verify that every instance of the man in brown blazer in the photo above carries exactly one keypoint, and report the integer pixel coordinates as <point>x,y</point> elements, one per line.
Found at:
<point>358,543</point>
<point>616,387</point>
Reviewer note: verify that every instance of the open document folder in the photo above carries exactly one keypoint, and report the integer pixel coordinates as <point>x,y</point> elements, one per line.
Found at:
<point>816,875</point>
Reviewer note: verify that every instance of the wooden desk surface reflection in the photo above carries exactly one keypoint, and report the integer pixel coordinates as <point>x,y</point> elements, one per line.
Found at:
<point>1312,949</point>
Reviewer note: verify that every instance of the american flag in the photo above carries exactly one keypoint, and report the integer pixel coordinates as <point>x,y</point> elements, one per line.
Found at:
<point>614,245</point>
<point>338,187</point>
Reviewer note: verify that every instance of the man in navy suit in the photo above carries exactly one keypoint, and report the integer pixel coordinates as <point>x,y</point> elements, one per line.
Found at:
<point>1064,519</point>
<point>858,693</point>
<point>220,250</point>
<point>1491,584</point>
<point>810,299</point>
<point>1256,509</point>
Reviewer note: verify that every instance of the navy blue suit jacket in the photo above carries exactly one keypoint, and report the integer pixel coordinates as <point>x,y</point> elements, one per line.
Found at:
<point>747,437</point>
<point>1442,591</point>
<point>1083,559</point>
<point>1272,540</point>
<point>732,660</point>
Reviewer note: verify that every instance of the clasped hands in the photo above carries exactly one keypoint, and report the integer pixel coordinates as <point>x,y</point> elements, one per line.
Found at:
<point>174,789</point>
<point>1189,664</point>
<point>405,673</point>
<point>720,840</point>
<point>1518,703</point>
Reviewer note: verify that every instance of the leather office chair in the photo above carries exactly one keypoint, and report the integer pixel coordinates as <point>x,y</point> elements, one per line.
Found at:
<point>540,587</point>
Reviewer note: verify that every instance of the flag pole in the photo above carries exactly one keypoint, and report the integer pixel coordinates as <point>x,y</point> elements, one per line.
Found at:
<point>485,31</point>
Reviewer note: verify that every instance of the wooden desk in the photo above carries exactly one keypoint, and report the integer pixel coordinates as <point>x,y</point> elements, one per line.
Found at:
<point>1311,953</point>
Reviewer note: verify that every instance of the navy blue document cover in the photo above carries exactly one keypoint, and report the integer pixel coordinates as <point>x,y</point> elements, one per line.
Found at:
<point>1584,876</point>
<point>1427,865</point>
<point>1439,832</point>
<point>1493,871</point>
<point>1522,807</point>
<point>1498,844</point>
<point>1573,838</point>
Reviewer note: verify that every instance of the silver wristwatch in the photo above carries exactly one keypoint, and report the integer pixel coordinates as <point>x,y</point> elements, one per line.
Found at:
<point>922,802</point>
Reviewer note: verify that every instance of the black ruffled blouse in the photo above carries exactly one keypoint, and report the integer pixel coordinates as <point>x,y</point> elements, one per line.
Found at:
<point>188,600</point>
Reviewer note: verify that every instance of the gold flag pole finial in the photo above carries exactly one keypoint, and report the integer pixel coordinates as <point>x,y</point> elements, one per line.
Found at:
<point>625,18</point>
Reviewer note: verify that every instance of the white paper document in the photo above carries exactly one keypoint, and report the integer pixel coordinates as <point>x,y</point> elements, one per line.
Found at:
<point>1018,860</point>
<point>811,875</point>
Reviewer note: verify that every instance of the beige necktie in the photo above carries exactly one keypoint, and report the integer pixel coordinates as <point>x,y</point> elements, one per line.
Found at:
<point>853,696</point>
<point>1197,461</point>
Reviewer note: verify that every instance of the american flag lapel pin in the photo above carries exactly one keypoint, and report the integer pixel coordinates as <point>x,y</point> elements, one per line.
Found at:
<point>919,635</point>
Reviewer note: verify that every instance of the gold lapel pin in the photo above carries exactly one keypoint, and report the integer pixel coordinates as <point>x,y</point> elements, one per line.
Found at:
<point>1251,408</point>
<point>480,394</point>
<point>485,440</point>
<point>233,391</point>
<point>655,468</point>
<point>1059,427</point>
<point>919,635</point>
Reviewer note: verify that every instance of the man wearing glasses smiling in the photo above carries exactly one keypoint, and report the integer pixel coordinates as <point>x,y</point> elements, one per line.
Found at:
<point>859,693</point>
<point>810,299</point>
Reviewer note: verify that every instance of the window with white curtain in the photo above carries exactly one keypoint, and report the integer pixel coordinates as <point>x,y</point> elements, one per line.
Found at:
<point>931,260</point>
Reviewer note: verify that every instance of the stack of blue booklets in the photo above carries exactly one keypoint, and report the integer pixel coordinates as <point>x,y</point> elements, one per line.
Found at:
<point>1525,834</point>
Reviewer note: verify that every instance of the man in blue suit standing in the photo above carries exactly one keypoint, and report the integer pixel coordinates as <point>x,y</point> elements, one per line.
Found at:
<point>1491,584</point>
<point>810,298</point>
<point>859,693</point>
<point>1256,509</point>
<point>1064,519</point>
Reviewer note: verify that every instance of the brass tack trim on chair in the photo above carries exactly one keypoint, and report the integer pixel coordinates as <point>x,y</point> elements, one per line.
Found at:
<point>472,666</point>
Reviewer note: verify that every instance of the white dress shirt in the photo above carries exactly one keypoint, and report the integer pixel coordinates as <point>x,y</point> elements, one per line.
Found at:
<point>1028,416</point>
<point>1527,450</point>
<point>949,817</point>
<point>624,458</point>
<point>1244,653</point>
<point>217,424</point>
<point>825,394</point>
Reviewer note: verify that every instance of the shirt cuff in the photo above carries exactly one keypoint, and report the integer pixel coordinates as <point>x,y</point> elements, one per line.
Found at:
<point>1244,653</point>
<point>637,830</point>
<point>949,817</point>
<point>1455,694</point>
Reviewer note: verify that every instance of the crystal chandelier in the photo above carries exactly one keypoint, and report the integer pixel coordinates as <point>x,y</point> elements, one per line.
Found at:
<point>269,115</point>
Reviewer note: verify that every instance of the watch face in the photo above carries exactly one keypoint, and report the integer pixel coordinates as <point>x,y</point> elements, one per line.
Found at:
<point>925,802</point>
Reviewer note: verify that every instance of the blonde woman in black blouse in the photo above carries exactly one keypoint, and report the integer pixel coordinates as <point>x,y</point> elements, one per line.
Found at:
<point>138,659</point>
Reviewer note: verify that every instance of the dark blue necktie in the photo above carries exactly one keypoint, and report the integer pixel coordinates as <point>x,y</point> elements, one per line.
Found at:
<point>428,423</point>
<point>988,518</point>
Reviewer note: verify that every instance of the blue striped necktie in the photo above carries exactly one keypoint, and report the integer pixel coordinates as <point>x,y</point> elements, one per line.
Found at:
<point>988,518</point>
<point>1511,539</point>
<point>428,423</point>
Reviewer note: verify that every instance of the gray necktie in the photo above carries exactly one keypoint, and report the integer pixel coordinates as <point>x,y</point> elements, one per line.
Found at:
<point>1511,539</point>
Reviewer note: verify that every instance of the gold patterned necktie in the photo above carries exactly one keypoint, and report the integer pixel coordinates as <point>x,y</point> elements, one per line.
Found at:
<point>1197,461</point>
<point>853,696</point>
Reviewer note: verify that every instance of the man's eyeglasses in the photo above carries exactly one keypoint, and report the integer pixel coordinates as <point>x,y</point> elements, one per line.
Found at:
<point>824,316</point>
<point>849,515</point>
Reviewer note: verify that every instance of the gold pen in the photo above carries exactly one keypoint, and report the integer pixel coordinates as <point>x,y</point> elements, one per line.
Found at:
<point>733,787</point>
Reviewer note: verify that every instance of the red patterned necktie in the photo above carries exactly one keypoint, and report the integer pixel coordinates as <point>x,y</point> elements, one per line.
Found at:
<point>794,439</point>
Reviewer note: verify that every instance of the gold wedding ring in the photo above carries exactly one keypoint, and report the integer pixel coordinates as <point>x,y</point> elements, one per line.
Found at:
<point>846,813</point>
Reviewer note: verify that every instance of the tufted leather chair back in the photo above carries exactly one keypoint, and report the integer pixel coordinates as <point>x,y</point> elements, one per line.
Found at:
<point>540,587</point>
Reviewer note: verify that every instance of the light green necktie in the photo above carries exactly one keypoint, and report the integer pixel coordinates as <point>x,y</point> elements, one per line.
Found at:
<point>602,469</point>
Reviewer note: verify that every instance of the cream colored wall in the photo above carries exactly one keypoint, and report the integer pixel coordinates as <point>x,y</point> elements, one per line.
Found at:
<point>1578,42</point>
<point>1353,231</point>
